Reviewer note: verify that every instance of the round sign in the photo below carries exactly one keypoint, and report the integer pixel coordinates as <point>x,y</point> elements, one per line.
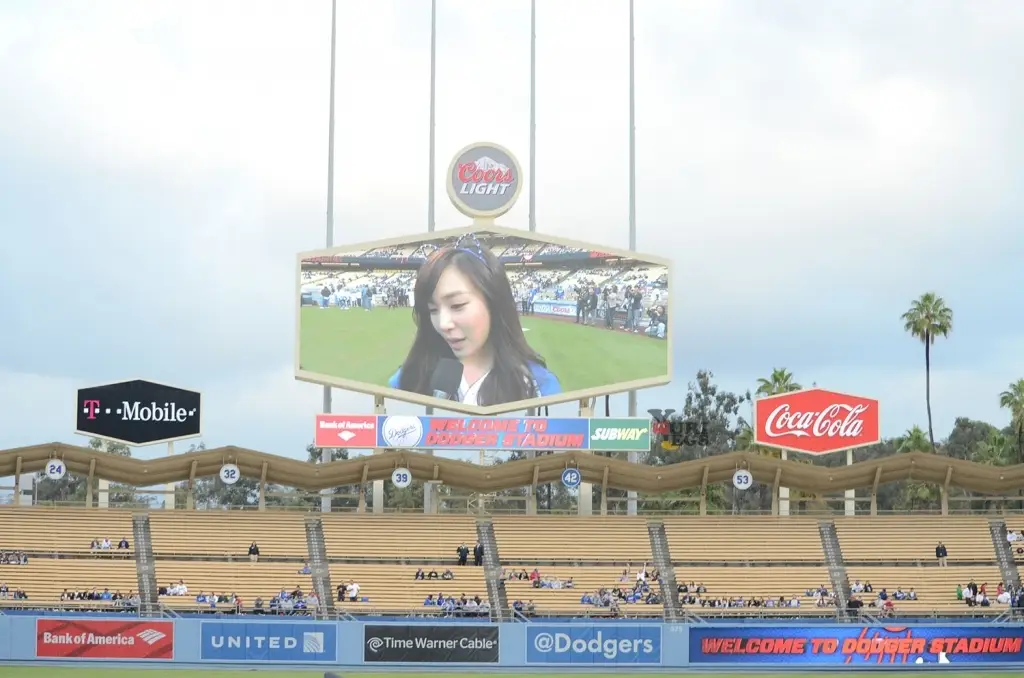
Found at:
<point>55,469</point>
<point>229,474</point>
<point>401,478</point>
<point>402,431</point>
<point>484,180</point>
<point>742,480</point>
<point>571,478</point>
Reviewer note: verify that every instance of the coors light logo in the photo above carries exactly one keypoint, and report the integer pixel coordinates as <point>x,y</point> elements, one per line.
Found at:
<point>484,180</point>
<point>816,421</point>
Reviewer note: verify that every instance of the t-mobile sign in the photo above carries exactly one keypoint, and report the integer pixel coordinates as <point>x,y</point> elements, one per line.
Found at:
<point>139,412</point>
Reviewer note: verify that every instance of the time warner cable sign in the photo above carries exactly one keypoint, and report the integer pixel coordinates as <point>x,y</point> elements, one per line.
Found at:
<point>139,412</point>
<point>580,644</point>
<point>270,642</point>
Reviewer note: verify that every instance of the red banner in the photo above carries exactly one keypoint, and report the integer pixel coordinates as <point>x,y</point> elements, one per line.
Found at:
<point>96,639</point>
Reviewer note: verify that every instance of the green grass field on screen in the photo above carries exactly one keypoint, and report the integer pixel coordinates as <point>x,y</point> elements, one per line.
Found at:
<point>369,346</point>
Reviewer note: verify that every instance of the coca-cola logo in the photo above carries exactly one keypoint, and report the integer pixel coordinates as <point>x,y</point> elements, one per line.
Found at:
<point>484,180</point>
<point>816,421</point>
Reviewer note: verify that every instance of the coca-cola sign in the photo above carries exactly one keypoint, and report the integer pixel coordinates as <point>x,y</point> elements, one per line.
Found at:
<point>139,412</point>
<point>816,421</point>
<point>484,180</point>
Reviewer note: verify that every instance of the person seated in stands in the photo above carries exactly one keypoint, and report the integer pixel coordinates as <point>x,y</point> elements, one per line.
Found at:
<point>254,552</point>
<point>312,601</point>
<point>305,569</point>
<point>419,574</point>
<point>429,600</point>
<point>123,544</point>
<point>535,575</point>
<point>587,599</point>
<point>94,545</point>
<point>257,606</point>
<point>1003,596</point>
<point>105,544</point>
<point>857,587</point>
<point>203,599</point>
<point>178,589</point>
<point>432,574</point>
<point>868,588</point>
<point>447,576</point>
<point>1012,536</point>
<point>911,594</point>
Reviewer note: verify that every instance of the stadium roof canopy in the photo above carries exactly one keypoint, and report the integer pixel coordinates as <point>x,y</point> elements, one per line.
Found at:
<point>613,473</point>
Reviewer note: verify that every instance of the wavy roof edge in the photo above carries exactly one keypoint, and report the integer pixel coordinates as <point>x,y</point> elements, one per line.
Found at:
<point>302,475</point>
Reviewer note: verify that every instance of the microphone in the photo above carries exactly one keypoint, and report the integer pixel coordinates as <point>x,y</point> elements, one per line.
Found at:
<point>446,379</point>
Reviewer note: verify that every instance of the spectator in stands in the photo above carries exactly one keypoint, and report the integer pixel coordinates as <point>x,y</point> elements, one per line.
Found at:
<point>353,591</point>
<point>305,569</point>
<point>941,553</point>
<point>447,576</point>
<point>254,552</point>
<point>14,558</point>
<point>463,553</point>
<point>478,554</point>
<point>123,544</point>
<point>465,310</point>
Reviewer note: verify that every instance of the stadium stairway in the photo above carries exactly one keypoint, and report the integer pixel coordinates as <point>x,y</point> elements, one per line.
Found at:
<point>834,560</point>
<point>496,595</point>
<point>1004,553</point>
<point>667,573</point>
<point>145,566</point>
<point>318,562</point>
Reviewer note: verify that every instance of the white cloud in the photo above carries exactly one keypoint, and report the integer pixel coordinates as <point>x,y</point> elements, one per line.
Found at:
<point>809,170</point>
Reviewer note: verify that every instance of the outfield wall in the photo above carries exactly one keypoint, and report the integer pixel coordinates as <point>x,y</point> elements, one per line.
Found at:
<point>293,642</point>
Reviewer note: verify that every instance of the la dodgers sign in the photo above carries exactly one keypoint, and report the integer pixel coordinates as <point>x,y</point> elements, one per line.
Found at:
<point>816,421</point>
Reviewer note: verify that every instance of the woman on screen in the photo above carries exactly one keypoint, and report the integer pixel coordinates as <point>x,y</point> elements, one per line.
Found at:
<point>464,309</point>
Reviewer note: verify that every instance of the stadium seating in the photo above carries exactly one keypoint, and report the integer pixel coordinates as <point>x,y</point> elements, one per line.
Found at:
<point>935,586</point>
<point>735,581</point>
<point>228,533</point>
<point>913,538</point>
<point>393,588</point>
<point>61,530</point>
<point>742,539</point>
<point>43,579</point>
<point>587,579</point>
<point>910,541</point>
<point>739,541</point>
<point>548,539</point>
<point>245,579</point>
<point>411,538</point>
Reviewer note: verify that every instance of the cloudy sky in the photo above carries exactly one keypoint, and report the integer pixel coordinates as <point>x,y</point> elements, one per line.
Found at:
<point>810,167</point>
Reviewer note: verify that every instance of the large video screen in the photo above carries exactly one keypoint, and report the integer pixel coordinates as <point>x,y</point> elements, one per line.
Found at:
<point>483,321</point>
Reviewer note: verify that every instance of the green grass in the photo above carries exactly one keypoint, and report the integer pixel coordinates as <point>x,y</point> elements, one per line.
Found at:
<point>89,672</point>
<point>370,346</point>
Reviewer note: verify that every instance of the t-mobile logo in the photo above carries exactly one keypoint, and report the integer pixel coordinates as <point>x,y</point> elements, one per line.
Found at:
<point>91,408</point>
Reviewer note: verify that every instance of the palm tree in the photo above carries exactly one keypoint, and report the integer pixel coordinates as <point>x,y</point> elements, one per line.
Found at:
<point>928,318</point>
<point>914,440</point>
<point>780,381</point>
<point>1013,400</point>
<point>996,450</point>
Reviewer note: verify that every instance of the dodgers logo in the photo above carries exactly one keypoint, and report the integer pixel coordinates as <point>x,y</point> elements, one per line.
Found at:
<point>605,644</point>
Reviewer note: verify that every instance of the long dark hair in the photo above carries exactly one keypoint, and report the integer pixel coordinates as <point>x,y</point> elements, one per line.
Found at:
<point>511,378</point>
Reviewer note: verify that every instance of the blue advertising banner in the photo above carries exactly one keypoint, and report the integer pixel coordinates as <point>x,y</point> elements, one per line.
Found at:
<point>269,642</point>
<point>856,645</point>
<point>585,644</point>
